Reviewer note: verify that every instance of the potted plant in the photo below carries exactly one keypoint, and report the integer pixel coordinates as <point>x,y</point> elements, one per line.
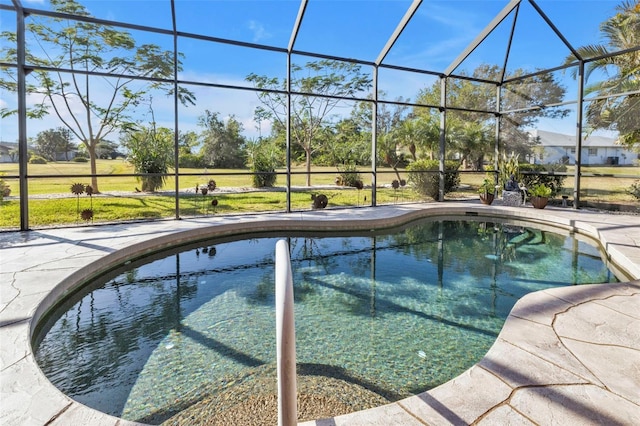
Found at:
<point>540,195</point>
<point>487,191</point>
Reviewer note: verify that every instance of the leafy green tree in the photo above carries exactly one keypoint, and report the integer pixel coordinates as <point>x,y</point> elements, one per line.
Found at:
<point>619,32</point>
<point>471,140</point>
<point>108,149</point>
<point>87,47</point>
<point>188,142</point>
<point>474,141</point>
<point>392,137</point>
<point>222,141</point>
<point>351,144</point>
<point>330,79</point>
<point>50,143</point>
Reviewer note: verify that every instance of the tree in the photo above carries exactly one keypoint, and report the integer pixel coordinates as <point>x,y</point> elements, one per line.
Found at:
<point>330,79</point>
<point>620,113</point>
<point>222,142</point>
<point>469,133</point>
<point>351,144</point>
<point>50,143</point>
<point>88,47</point>
<point>106,149</point>
<point>391,135</point>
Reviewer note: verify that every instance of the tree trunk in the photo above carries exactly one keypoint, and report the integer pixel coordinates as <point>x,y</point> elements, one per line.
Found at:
<point>308,166</point>
<point>94,169</point>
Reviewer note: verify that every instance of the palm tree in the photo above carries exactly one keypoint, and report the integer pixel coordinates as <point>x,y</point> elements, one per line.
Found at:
<point>621,32</point>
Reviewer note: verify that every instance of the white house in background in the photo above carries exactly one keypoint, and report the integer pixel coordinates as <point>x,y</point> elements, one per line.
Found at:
<point>8,152</point>
<point>596,150</point>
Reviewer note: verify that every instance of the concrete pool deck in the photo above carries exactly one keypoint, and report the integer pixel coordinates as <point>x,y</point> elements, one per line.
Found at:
<point>567,355</point>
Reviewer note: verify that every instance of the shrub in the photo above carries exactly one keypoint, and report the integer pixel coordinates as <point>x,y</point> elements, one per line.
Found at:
<point>263,157</point>
<point>264,172</point>
<point>424,176</point>
<point>348,175</point>
<point>80,160</point>
<point>487,187</point>
<point>540,190</point>
<point>634,189</point>
<point>530,178</point>
<point>5,190</point>
<point>36,159</point>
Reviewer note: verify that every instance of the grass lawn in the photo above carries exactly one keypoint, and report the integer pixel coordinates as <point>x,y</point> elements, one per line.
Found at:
<point>119,200</point>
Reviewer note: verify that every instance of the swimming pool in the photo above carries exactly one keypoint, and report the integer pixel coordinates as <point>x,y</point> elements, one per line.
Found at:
<point>397,312</point>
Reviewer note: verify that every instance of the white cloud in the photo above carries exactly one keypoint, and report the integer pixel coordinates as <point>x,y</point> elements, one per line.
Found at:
<point>259,32</point>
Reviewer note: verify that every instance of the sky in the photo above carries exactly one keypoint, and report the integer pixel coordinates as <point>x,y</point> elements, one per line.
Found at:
<point>438,32</point>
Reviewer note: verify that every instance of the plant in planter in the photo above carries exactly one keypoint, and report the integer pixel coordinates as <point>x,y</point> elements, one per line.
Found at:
<point>540,195</point>
<point>487,191</point>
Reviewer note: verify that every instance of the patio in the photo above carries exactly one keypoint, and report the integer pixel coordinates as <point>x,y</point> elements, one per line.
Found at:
<point>565,356</point>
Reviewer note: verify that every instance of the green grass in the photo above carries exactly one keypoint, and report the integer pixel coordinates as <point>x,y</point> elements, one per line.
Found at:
<point>124,204</point>
<point>116,182</point>
<point>58,211</point>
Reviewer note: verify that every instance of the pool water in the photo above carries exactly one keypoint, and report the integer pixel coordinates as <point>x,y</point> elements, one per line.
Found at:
<point>398,313</point>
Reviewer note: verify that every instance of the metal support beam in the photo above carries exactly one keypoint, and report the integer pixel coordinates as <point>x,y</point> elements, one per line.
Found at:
<point>292,42</point>
<point>296,26</point>
<point>483,35</point>
<point>288,135</point>
<point>374,139</point>
<point>496,149</point>
<point>578,164</point>
<point>555,30</point>
<point>176,141</point>
<point>506,55</point>
<point>23,156</point>
<point>399,29</point>
<point>443,133</point>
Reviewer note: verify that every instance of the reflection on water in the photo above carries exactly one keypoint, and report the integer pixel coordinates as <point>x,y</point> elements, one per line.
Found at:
<point>398,313</point>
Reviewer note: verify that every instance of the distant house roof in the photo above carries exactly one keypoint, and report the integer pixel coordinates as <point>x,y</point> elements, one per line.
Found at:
<point>559,139</point>
<point>5,147</point>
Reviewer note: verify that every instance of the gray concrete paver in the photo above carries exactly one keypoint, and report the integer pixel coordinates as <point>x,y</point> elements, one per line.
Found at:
<point>574,405</point>
<point>460,401</point>
<point>599,324</point>
<point>504,415</point>
<point>543,342</point>
<point>618,368</point>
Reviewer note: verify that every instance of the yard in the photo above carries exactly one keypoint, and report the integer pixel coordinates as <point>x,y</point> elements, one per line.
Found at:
<point>51,201</point>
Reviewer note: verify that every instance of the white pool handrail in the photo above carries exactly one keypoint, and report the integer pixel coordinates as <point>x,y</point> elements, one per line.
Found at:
<point>285,338</point>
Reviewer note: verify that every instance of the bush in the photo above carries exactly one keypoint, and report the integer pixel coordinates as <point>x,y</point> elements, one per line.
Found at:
<point>634,189</point>
<point>264,172</point>
<point>5,191</point>
<point>80,160</point>
<point>553,181</point>
<point>428,184</point>
<point>36,159</point>
<point>349,176</point>
<point>263,157</point>
<point>540,190</point>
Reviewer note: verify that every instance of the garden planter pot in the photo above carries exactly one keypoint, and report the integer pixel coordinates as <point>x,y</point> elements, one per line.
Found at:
<point>539,202</point>
<point>487,198</point>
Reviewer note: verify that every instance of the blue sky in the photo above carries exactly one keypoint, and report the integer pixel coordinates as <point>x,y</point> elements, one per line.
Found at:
<point>358,29</point>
